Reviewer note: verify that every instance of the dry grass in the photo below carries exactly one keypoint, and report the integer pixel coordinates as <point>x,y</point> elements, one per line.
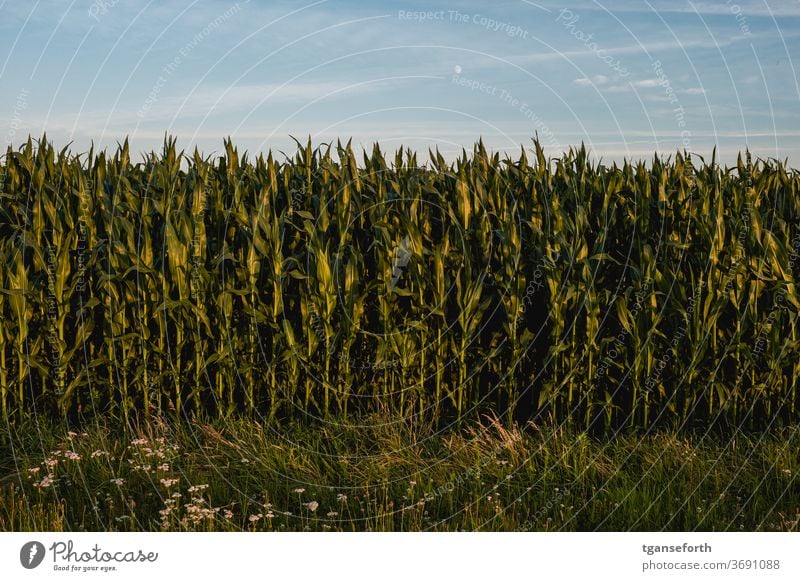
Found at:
<point>486,477</point>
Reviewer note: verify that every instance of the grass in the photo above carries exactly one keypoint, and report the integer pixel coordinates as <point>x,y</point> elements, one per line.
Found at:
<point>384,475</point>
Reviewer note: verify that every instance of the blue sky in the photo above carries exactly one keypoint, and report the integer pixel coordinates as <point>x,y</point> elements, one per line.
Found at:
<point>627,77</point>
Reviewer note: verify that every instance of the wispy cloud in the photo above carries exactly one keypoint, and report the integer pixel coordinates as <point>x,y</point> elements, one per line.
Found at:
<point>208,102</point>
<point>644,84</point>
<point>639,48</point>
<point>755,8</point>
<point>217,100</point>
<point>596,80</point>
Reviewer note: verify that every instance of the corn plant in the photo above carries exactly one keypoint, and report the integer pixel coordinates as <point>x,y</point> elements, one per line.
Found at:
<point>598,295</point>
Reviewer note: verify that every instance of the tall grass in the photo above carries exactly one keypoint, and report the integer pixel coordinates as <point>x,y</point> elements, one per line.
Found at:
<point>237,474</point>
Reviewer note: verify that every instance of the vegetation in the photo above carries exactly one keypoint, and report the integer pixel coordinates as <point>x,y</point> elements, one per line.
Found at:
<point>385,475</point>
<point>327,343</point>
<point>601,295</point>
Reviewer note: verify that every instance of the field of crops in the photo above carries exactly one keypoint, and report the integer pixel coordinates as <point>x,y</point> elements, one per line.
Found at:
<point>327,285</point>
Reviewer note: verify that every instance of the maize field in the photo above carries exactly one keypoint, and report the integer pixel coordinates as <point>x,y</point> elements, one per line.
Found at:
<point>331,284</point>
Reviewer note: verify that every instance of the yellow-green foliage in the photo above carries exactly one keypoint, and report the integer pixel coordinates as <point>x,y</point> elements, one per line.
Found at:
<point>598,294</point>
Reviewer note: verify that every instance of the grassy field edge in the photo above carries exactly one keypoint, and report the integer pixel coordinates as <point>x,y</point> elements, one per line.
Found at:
<point>380,474</point>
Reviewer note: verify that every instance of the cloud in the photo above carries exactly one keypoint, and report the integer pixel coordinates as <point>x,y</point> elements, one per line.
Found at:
<point>627,88</point>
<point>651,49</point>
<point>206,102</point>
<point>647,83</point>
<point>590,82</point>
<point>218,100</point>
<point>754,8</point>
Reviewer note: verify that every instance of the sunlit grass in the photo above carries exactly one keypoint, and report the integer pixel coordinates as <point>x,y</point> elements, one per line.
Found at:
<point>381,476</point>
